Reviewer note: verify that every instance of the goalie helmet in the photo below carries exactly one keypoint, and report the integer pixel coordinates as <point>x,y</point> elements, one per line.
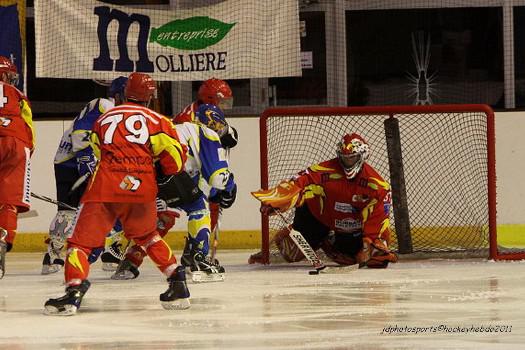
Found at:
<point>9,69</point>
<point>216,92</point>
<point>213,117</point>
<point>352,153</point>
<point>140,87</point>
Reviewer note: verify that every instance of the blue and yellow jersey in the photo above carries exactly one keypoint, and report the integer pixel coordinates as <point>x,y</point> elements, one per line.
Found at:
<point>76,138</point>
<point>207,161</point>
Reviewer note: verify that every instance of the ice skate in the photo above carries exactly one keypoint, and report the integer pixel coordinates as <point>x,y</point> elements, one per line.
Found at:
<point>3,251</point>
<point>201,268</point>
<point>177,296</point>
<point>126,270</point>
<point>53,261</point>
<point>68,304</point>
<point>111,257</point>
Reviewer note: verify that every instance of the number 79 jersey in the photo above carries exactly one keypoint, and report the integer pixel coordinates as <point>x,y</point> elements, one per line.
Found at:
<point>127,140</point>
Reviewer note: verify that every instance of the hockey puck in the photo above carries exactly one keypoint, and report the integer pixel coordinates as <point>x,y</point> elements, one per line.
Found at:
<point>313,272</point>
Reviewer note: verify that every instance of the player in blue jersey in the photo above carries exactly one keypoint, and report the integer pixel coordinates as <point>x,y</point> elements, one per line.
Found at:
<point>208,166</point>
<point>74,162</point>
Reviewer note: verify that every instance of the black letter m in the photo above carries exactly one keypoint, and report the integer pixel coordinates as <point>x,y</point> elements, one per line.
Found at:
<point>124,64</point>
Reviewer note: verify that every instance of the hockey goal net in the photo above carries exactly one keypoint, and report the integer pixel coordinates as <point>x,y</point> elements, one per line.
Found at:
<point>439,160</point>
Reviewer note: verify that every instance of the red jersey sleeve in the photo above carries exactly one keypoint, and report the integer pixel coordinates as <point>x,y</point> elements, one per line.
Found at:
<point>187,114</point>
<point>15,115</point>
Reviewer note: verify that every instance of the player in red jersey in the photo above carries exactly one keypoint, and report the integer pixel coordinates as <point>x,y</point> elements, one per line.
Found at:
<point>126,140</point>
<point>342,207</point>
<point>16,147</point>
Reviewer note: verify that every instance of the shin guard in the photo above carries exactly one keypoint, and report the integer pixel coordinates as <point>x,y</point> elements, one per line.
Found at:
<point>159,252</point>
<point>76,266</point>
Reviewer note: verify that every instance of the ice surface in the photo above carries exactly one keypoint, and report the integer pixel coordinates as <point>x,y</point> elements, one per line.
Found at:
<point>273,307</point>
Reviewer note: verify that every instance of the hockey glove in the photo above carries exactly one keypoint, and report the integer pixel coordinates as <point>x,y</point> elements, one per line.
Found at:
<point>375,254</point>
<point>86,161</point>
<point>230,139</point>
<point>224,198</point>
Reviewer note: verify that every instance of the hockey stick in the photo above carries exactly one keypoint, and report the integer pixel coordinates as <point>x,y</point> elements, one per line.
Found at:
<point>28,214</point>
<point>216,231</point>
<point>52,201</point>
<point>311,255</point>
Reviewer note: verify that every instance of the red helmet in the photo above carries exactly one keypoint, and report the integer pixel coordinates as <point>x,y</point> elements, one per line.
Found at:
<point>216,92</point>
<point>140,87</point>
<point>352,152</point>
<point>9,68</point>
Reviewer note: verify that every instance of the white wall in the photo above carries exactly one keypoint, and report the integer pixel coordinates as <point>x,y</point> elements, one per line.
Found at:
<point>244,215</point>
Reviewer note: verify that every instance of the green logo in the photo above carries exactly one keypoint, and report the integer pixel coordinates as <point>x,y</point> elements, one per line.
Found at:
<point>193,33</point>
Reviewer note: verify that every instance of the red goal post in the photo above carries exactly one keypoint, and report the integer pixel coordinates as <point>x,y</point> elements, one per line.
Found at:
<point>439,159</point>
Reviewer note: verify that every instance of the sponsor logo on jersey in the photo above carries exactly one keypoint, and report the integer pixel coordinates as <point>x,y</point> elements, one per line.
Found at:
<point>130,183</point>
<point>345,207</point>
<point>133,160</point>
<point>348,224</point>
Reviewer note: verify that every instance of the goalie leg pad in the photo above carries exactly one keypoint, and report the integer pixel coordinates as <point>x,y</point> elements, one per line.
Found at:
<point>287,247</point>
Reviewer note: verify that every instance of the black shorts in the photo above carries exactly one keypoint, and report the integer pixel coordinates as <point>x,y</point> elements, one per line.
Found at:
<point>65,177</point>
<point>315,233</point>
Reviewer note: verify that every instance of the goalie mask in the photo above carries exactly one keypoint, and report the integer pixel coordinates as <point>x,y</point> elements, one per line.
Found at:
<point>212,117</point>
<point>352,153</point>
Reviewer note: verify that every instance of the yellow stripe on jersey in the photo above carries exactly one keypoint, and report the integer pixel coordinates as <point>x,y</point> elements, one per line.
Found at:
<point>27,115</point>
<point>385,225</point>
<point>318,168</point>
<point>368,210</point>
<point>383,184</point>
<point>312,191</point>
<point>163,142</point>
<point>95,144</point>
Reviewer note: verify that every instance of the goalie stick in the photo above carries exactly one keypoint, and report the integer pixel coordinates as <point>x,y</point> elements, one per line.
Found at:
<point>311,255</point>
<point>52,201</point>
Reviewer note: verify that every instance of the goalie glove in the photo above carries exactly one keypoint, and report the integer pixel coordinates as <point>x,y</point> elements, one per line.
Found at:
<point>284,196</point>
<point>375,254</point>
